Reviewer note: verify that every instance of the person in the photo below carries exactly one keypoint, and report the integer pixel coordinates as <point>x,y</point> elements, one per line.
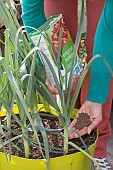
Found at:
<point>100,89</point>
<point>35,12</point>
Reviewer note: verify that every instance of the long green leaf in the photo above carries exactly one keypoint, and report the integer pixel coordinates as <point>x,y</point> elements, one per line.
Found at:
<point>78,36</point>
<point>45,140</point>
<point>85,153</point>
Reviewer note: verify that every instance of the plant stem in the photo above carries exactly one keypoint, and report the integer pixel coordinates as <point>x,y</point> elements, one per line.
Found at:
<point>1,149</point>
<point>35,133</point>
<point>34,110</point>
<point>26,146</point>
<point>8,121</point>
<point>65,140</point>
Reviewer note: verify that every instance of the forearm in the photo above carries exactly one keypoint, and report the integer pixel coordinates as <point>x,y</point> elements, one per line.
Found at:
<point>103,45</point>
<point>33,13</point>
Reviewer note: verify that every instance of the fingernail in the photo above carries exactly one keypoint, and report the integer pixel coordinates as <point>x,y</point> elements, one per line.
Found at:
<point>89,132</point>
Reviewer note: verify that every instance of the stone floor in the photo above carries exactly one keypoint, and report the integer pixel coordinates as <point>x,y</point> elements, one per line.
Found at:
<point>110,143</point>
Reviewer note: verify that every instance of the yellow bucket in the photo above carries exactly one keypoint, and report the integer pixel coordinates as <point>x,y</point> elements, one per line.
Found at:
<point>77,161</point>
<point>39,106</point>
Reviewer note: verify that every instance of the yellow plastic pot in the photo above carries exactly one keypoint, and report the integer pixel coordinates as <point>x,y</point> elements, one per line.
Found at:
<point>77,161</point>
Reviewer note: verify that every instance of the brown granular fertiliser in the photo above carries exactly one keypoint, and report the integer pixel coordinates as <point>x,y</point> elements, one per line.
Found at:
<point>82,121</point>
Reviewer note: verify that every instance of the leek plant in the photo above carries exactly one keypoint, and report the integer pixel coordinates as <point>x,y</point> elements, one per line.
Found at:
<point>22,82</point>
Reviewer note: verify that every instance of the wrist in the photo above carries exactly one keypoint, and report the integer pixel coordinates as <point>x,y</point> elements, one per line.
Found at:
<point>93,103</point>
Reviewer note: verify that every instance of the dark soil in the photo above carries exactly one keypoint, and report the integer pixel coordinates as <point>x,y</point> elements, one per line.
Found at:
<point>82,121</point>
<point>50,122</point>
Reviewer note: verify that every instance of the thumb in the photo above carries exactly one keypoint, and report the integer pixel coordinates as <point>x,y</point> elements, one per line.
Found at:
<point>92,127</point>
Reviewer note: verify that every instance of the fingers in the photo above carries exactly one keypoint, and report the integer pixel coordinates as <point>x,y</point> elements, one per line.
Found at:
<point>51,88</point>
<point>75,79</point>
<point>94,110</point>
<point>94,124</point>
<point>73,134</point>
<point>85,130</point>
<point>54,90</point>
<point>71,127</point>
<point>73,123</point>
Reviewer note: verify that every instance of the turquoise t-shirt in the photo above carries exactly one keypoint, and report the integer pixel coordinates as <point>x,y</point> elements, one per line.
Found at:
<point>103,44</point>
<point>33,15</point>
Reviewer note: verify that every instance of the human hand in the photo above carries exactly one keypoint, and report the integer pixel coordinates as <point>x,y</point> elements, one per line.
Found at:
<point>51,87</point>
<point>94,110</point>
<point>54,90</point>
<point>75,79</point>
